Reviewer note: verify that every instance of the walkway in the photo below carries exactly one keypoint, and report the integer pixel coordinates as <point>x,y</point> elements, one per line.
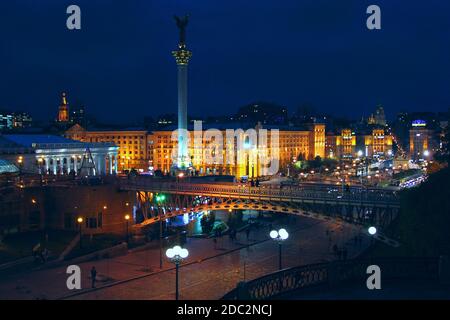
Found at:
<point>208,273</point>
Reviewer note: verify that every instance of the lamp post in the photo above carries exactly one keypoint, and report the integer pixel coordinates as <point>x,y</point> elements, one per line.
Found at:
<point>372,232</point>
<point>160,198</point>
<point>176,255</point>
<point>80,221</point>
<point>279,236</point>
<point>127,218</point>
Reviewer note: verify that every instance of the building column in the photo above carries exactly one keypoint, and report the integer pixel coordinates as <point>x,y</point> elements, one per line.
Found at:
<point>47,164</point>
<point>75,164</point>
<point>97,164</point>
<point>110,163</point>
<point>66,166</point>
<point>54,165</point>
<point>115,163</point>
<point>103,160</point>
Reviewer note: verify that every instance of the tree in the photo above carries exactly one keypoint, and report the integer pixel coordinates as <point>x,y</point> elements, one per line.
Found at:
<point>422,226</point>
<point>207,223</point>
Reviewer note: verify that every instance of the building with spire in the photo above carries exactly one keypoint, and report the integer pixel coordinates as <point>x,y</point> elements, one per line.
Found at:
<point>63,111</point>
<point>378,118</point>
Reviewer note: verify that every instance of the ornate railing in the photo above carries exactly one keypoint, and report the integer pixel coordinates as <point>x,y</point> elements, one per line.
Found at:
<point>302,193</point>
<point>332,274</point>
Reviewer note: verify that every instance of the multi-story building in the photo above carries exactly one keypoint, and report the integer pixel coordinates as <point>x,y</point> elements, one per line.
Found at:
<point>420,141</point>
<point>376,143</point>
<point>349,145</point>
<point>46,154</point>
<point>133,145</point>
<point>155,150</point>
<point>346,143</point>
<point>246,161</point>
<point>14,120</point>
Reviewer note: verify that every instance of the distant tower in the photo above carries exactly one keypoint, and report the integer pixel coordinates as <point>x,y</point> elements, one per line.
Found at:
<point>380,118</point>
<point>182,56</point>
<point>63,113</point>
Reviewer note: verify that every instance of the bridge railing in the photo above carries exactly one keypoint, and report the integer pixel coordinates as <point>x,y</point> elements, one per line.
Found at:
<point>333,274</point>
<point>268,192</point>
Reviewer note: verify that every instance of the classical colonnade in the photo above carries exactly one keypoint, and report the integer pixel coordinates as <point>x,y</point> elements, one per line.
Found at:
<point>66,160</point>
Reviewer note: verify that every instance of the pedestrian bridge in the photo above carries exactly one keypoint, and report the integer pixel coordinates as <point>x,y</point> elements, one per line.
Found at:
<point>355,205</point>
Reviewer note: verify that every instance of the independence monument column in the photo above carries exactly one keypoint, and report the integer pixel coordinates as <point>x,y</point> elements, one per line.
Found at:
<point>182,55</point>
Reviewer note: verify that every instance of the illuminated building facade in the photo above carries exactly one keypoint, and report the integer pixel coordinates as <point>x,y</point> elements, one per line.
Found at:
<point>290,145</point>
<point>55,155</point>
<point>349,145</point>
<point>346,144</point>
<point>420,141</point>
<point>14,120</point>
<point>317,141</point>
<point>153,151</point>
<point>132,145</point>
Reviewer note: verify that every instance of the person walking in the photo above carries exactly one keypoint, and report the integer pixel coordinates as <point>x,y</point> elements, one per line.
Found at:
<point>93,276</point>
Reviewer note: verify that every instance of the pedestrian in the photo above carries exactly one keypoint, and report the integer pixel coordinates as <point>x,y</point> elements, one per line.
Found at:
<point>215,242</point>
<point>93,276</point>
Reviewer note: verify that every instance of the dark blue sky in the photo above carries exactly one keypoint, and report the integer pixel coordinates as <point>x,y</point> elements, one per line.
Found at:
<point>290,52</point>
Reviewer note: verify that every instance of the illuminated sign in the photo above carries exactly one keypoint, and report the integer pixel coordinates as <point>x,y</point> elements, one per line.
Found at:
<point>419,123</point>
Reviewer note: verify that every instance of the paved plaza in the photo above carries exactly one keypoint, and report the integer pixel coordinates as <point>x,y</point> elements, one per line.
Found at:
<point>208,273</point>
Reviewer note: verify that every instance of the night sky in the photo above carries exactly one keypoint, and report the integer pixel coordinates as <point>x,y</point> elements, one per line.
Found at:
<point>119,65</point>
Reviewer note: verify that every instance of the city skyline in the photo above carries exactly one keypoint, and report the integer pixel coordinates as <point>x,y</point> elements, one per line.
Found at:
<point>231,151</point>
<point>138,76</point>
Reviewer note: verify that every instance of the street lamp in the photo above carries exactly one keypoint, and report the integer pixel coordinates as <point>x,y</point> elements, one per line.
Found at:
<point>372,231</point>
<point>279,236</point>
<point>80,221</point>
<point>176,255</point>
<point>127,218</point>
<point>159,199</point>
